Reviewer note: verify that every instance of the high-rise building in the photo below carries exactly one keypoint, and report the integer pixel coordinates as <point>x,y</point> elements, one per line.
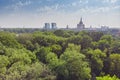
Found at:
<point>53,26</point>
<point>47,26</point>
<point>80,25</point>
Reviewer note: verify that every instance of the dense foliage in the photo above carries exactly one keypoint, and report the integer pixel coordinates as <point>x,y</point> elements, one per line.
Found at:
<point>107,78</point>
<point>59,55</point>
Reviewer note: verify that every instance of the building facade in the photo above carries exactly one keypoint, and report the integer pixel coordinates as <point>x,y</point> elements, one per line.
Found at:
<point>53,26</point>
<point>80,25</point>
<point>47,26</point>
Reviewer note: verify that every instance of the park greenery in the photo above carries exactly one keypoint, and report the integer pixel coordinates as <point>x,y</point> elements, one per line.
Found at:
<point>59,55</point>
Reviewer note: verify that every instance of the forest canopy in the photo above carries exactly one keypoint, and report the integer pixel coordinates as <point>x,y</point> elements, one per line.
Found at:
<point>59,55</point>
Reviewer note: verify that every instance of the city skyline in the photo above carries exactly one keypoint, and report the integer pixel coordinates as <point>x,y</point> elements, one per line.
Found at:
<point>34,13</point>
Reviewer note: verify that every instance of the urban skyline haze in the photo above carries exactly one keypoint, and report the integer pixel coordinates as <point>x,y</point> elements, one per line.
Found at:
<point>34,13</point>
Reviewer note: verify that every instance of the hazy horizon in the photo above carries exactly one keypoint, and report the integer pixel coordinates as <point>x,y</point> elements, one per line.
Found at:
<point>34,13</point>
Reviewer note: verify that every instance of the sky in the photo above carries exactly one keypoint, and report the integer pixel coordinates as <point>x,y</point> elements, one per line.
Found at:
<point>34,13</point>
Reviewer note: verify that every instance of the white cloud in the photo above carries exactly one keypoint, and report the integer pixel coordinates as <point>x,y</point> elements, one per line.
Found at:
<point>113,1</point>
<point>74,4</point>
<point>83,1</point>
<point>110,1</point>
<point>117,7</point>
<point>19,5</point>
<point>79,3</point>
<point>49,9</point>
<point>102,9</point>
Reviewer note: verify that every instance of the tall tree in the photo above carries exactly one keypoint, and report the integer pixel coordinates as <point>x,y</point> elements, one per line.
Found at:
<point>96,58</point>
<point>75,65</point>
<point>115,64</point>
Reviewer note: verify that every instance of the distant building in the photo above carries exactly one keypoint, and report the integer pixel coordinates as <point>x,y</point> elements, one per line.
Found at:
<point>80,25</point>
<point>1,29</point>
<point>47,26</point>
<point>67,27</point>
<point>90,28</point>
<point>104,28</point>
<point>53,26</point>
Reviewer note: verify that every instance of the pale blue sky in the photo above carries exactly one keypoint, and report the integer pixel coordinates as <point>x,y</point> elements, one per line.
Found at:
<point>34,13</point>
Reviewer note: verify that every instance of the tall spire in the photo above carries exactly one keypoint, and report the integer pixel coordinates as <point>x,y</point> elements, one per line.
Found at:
<point>81,25</point>
<point>81,19</point>
<point>81,22</point>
